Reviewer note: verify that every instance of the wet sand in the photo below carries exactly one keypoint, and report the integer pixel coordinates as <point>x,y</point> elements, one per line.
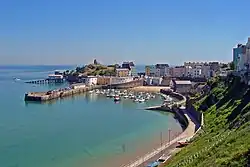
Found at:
<point>152,89</point>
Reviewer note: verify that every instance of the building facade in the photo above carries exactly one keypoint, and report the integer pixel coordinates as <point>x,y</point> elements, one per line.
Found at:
<point>123,72</point>
<point>181,86</point>
<point>103,80</point>
<point>150,70</point>
<point>131,67</point>
<point>179,71</point>
<point>238,52</point>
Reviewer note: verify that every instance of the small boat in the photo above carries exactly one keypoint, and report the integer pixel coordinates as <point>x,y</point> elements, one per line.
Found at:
<point>168,99</point>
<point>91,91</point>
<point>141,100</point>
<point>117,98</point>
<point>126,96</point>
<point>136,100</point>
<point>17,79</point>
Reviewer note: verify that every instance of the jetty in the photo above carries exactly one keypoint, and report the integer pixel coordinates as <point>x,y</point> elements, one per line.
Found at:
<point>60,93</point>
<point>52,78</point>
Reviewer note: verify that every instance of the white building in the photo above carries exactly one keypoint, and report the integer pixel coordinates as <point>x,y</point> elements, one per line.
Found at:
<point>188,71</point>
<point>196,72</point>
<point>55,77</point>
<point>90,80</point>
<point>247,55</point>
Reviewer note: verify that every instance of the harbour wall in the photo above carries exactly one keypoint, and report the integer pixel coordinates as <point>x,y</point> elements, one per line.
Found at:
<point>127,85</point>
<point>43,96</point>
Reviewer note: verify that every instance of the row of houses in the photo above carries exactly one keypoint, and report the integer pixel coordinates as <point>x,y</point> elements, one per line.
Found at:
<point>189,69</point>
<point>104,80</point>
<point>127,69</point>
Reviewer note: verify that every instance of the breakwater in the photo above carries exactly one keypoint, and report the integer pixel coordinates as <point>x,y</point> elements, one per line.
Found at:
<point>56,94</point>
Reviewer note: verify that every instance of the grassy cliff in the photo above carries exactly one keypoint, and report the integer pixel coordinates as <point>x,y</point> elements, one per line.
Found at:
<point>225,140</point>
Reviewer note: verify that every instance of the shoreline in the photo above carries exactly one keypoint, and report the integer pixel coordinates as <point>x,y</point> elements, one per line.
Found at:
<point>166,149</point>
<point>152,151</point>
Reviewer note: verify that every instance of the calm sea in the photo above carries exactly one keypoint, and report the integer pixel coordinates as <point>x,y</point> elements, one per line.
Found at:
<point>71,132</point>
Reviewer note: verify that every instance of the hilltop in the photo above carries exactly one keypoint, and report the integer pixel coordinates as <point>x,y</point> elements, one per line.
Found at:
<point>96,69</point>
<point>225,139</point>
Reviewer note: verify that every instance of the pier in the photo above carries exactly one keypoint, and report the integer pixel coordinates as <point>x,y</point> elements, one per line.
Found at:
<point>56,94</point>
<point>45,81</point>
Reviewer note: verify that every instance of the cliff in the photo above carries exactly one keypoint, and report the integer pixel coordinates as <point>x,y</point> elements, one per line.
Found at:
<point>225,138</point>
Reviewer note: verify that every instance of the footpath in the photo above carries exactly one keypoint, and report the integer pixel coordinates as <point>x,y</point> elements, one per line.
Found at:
<point>167,147</point>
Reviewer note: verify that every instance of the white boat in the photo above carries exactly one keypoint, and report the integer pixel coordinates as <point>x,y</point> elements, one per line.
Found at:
<point>168,99</point>
<point>17,79</point>
<point>91,91</point>
<point>117,98</point>
<point>126,96</point>
<point>136,100</point>
<point>141,100</point>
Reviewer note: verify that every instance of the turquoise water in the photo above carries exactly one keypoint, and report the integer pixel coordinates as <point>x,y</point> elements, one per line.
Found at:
<point>71,132</point>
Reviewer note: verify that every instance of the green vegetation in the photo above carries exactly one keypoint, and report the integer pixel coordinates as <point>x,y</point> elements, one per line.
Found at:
<point>96,69</point>
<point>225,140</point>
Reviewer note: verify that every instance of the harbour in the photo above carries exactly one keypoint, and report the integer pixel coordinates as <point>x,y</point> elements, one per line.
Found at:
<point>58,134</point>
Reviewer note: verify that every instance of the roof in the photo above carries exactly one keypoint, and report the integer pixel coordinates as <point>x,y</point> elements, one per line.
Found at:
<point>122,69</point>
<point>186,82</point>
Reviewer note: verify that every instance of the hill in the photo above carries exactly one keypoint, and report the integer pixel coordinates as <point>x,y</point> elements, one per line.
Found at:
<point>225,140</point>
<point>96,69</point>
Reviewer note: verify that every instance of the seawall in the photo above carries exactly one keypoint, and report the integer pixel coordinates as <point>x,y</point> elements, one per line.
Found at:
<point>44,96</point>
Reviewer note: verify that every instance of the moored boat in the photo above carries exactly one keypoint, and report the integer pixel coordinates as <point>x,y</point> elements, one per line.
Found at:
<point>117,98</point>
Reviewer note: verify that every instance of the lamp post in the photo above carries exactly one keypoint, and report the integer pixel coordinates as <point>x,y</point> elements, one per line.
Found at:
<point>169,137</point>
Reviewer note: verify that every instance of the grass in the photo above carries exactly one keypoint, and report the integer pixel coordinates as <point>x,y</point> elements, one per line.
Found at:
<point>226,138</point>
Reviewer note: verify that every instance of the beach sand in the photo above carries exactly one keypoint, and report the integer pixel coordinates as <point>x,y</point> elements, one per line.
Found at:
<point>144,147</point>
<point>152,89</point>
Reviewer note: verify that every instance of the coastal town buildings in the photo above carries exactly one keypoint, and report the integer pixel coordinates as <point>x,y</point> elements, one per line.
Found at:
<point>156,81</point>
<point>131,67</point>
<point>89,80</point>
<point>238,56</point>
<point>181,86</point>
<point>103,80</point>
<point>106,80</point>
<point>123,72</point>
<point>241,56</point>
<point>179,71</point>
<point>150,70</point>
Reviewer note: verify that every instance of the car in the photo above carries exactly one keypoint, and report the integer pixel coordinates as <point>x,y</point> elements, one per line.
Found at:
<point>163,158</point>
<point>154,164</point>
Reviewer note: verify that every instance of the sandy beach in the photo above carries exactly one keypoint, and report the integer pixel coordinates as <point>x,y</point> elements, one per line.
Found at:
<point>145,147</point>
<point>152,89</point>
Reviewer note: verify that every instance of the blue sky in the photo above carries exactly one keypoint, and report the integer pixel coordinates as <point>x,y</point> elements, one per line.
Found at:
<point>145,31</point>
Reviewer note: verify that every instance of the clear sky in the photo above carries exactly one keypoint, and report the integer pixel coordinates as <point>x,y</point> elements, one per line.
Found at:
<point>144,31</point>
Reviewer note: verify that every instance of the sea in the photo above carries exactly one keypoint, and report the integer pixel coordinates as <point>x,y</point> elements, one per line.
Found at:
<point>76,131</point>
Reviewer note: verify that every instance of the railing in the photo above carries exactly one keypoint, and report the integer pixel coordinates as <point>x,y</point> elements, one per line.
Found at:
<point>143,159</point>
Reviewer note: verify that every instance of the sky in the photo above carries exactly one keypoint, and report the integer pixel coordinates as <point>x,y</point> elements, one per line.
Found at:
<point>112,31</point>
